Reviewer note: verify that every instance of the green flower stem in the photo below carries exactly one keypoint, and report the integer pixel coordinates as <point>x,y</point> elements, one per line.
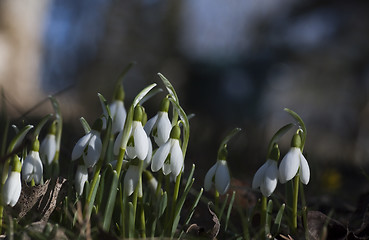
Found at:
<point>263,214</point>
<point>296,181</point>
<point>175,197</point>
<point>142,218</point>
<point>1,217</point>
<point>134,202</point>
<point>216,199</point>
<point>167,224</point>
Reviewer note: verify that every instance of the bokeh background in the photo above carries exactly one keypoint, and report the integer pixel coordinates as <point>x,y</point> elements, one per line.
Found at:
<point>235,63</point>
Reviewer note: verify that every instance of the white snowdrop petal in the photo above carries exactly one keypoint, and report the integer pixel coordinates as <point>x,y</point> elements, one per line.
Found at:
<point>208,181</point>
<point>80,179</point>
<point>37,167</point>
<point>222,177</point>
<point>141,144</point>
<point>304,170</point>
<point>118,143</point>
<point>270,179</point>
<point>147,160</point>
<point>289,165</point>
<point>176,158</point>
<point>12,189</point>
<point>93,151</point>
<point>131,179</point>
<point>27,169</point>
<point>166,169</point>
<point>80,146</point>
<point>159,157</point>
<point>150,124</point>
<point>48,148</point>
<point>163,128</point>
<point>119,117</point>
<point>259,176</point>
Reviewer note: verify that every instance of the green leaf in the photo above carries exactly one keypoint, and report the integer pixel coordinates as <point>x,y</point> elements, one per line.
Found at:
<point>300,123</point>
<point>268,217</point>
<point>190,177</point>
<point>123,74</point>
<point>229,210</point>
<point>283,130</point>
<point>194,205</point>
<point>131,227</point>
<point>56,107</point>
<point>169,87</point>
<point>18,139</point>
<point>110,191</point>
<point>104,105</point>
<point>93,196</point>
<point>142,94</point>
<point>227,138</point>
<point>223,207</point>
<point>278,220</point>
<point>85,125</point>
<point>40,125</point>
<point>151,94</point>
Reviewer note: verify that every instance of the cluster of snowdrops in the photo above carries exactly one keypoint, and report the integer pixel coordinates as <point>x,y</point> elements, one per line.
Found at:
<point>128,168</point>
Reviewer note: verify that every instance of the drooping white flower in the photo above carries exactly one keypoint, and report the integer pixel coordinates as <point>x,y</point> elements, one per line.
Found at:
<point>131,179</point>
<point>48,145</point>
<point>169,157</point>
<point>148,158</point>
<point>137,145</point>
<point>89,146</point>
<point>12,187</point>
<point>80,179</point>
<point>32,166</point>
<point>294,162</point>
<point>118,114</point>
<point>219,175</point>
<point>160,125</point>
<point>266,178</point>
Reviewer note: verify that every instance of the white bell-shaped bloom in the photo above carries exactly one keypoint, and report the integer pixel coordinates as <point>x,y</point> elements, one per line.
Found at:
<point>266,178</point>
<point>48,149</point>
<point>137,145</point>
<point>80,179</point>
<point>118,114</point>
<point>32,167</point>
<point>161,129</point>
<point>12,189</point>
<point>290,165</point>
<point>219,175</point>
<point>169,157</point>
<point>89,147</point>
<point>148,158</point>
<point>131,179</point>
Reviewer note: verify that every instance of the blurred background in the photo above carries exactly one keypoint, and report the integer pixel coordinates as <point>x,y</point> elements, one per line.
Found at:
<point>235,63</point>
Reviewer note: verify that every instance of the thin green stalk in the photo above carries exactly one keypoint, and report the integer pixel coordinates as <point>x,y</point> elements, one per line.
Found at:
<point>263,214</point>
<point>216,200</point>
<point>122,151</point>
<point>1,217</point>
<point>142,218</point>
<point>296,181</point>
<point>134,202</point>
<point>175,197</point>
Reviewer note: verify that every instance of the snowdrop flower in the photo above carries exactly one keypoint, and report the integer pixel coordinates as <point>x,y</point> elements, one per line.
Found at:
<point>131,179</point>
<point>80,178</point>
<point>117,111</point>
<point>294,163</point>
<point>89,146</point>
<point>12,187</point>
<point>169,156</point>
<point>266,177</point>
<point>160,125</point>
<point>151,181</point>
<point>218,174</point>
<point>32,168</point>
<point>137,145</point>
<point>48,145</point>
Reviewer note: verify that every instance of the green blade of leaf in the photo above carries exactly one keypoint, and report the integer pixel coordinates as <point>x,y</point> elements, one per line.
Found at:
<point>131,227</point>
<point>123,74</point>
<point>169,87</point>
<point>190,177</point>
<point>282,131</point>
<point>142,94</point>
<point>227,138</point>
<point>300,122</point>
<point>108,206</point>
<point>18,139</point>
<point>40,125</point>
<point>151,94</point>
<point>229,210</point>
<point>93,196</point>
<point>104,105</point>
<point>268,217</point>
<point>223,207</point>
<point>278,220</point>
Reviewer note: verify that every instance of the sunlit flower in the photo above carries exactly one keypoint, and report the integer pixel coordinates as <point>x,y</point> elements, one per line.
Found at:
<point>266,177</point>
<point>118,114</point>
<point>294,162</point>
<point>12,187</point>
<point>32,166</point>
<point>80,178</point>
<point>137,145</point>
<point>219,175</point>
<point>89,146</point>
<point>160,125</point>
<point>169,157</point>
<point>48,146</point>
